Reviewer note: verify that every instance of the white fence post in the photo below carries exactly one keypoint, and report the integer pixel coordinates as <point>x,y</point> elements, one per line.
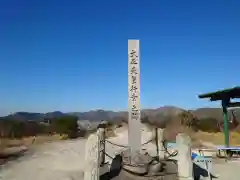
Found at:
<point>159,136</point>
<point>185,165</point>
<point>92,157</point>
<point>101,135</point>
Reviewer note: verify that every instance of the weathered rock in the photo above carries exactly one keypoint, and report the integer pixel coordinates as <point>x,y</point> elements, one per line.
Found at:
<point>169,173</point>
<point>154,167</point>
<point>92,158</point>
<point>138,163</point>
<point>161,152</point>
<point>185,165</point>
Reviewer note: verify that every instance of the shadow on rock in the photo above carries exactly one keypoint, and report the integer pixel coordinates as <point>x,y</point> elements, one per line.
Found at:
<point>198,172</point>
<point>115,169</point>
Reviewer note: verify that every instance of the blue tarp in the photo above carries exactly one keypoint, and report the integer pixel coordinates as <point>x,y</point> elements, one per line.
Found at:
<point>194,155</point>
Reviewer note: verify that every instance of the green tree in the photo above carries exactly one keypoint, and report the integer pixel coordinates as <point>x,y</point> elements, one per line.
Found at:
<point>65,125</point>
<point>188,119</point>
<point>208,125</point>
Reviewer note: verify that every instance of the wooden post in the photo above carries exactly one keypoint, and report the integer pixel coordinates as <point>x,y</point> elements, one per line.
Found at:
<point>226,121</point>
<point>92,158</point>
<point>134,122</point>
<point>185,165</point>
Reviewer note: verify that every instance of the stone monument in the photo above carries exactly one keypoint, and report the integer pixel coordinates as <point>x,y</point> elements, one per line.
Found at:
<point>134,122</point>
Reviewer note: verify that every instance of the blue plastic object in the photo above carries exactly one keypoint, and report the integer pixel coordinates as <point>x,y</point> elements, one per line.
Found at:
<point>194,155</point>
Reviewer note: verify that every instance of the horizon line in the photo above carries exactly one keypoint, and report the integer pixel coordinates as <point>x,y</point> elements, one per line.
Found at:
<point>126,110</point>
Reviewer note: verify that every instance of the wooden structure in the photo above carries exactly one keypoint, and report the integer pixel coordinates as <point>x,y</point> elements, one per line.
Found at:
<point>225,96</point>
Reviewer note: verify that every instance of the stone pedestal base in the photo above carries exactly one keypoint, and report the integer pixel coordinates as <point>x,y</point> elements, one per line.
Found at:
<point>169,173</point>
<point>143,166</point>
<point>137,162</point>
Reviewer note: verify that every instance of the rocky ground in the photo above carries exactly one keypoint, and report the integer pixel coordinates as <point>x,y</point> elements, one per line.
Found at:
<point>64,160</point>
<point>59,160</point>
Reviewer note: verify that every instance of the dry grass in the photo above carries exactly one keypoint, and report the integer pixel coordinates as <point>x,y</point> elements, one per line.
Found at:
<point>42,139</point>
<point>14,147</point>
<point>218,138</point>
<point>28,141</point>
<point>110,133</point>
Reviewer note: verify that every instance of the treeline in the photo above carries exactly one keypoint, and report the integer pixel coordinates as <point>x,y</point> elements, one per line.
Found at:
<point>187,119</point>
<point>11,128</point>
<point>68,125</point>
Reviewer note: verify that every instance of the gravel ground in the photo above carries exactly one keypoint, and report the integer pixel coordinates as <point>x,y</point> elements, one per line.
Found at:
<point>64,160</point>
<point>226,170</point>
<point>52,161</point>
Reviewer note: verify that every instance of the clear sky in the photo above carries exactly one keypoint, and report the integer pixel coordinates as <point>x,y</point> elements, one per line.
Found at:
<point>72,55</point>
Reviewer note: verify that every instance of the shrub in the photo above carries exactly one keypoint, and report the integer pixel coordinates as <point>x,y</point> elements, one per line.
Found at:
<point>208,125</point>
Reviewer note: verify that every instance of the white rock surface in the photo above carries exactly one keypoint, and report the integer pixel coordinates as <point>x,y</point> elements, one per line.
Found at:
<point>91,171</point>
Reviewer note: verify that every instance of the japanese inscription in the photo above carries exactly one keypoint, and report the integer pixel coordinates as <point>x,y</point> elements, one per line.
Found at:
<point>134,94</point>
<point>134,85</point>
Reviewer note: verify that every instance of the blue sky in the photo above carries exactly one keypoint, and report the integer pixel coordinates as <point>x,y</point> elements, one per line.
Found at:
<point>72,55</point>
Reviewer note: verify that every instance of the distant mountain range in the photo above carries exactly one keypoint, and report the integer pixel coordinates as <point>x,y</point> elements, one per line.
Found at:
<point>157,114</point>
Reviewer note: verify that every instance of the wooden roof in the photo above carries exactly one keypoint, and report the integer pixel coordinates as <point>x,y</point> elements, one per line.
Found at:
<point>230,93</point>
